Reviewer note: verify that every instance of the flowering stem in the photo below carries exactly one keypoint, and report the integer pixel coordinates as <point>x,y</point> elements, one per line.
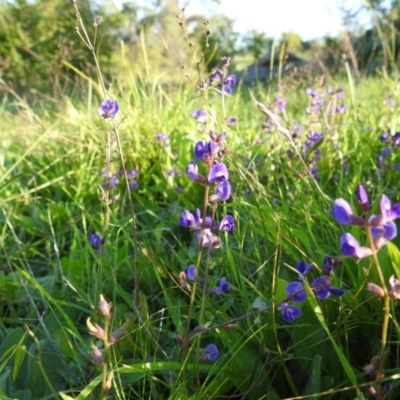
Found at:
<point>386,310</point>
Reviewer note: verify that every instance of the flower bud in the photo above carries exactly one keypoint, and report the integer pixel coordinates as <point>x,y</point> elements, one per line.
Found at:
<point>95,330</point>
<point>375,289</point>
<point>116,335</point>
<point>97,355</point>
<point>104,307</point>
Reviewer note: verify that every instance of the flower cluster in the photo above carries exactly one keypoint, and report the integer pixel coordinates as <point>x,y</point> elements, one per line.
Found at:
<point>321,286</point>
<point>191,274</point>
<point>220,80</point>
<point>113,181</point>
<point>382,226</point>
<point>392,143</point>
<point>211,153</point>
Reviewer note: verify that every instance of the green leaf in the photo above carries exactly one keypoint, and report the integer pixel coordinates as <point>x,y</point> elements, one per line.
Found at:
<point>314,382</point>
<point>394,254</point>
<point>20,353</point>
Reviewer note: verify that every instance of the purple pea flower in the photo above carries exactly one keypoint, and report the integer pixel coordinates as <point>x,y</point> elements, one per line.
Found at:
<point>95,239</point>
<point>303,268</point>
<point>190,220</point>
<point>192,172</point>
<point>132,173</point>
<point>218,173</point>
<point>295,291</point>
<point>190,272</point>
<point>384,137</point>
<point>231,121</point>
<point>388,212</point>
<point>396,139</point>
<point>330,263</point>
<point>204,151</point>
<point>210,353</point>
<point>323,288</point>
<point>227,224</point>
<point>289,313</point>
<point>343,213</point>
<point>113,181</point>
<point>384,233</point>
<point>387,151</point>
<point>200,113</point>
<point>223,286</point>
<point>230,80</point>
<point>362,198</point>
<point>350,247</point>
<point>161,137</point>
<point>108,109</point>
<point>133,185</point>
<point>222,192</point>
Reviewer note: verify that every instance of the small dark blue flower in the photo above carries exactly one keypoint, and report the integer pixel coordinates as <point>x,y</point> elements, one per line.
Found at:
<point>210,353</point>
<point>323,288</point>
<point>95,239</point>
<point>289,313</point>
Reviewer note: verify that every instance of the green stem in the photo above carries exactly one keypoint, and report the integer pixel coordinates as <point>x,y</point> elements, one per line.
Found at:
<point>386,311</point>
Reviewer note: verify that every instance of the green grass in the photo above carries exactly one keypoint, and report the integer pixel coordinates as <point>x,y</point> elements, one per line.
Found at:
<point>50,278</point>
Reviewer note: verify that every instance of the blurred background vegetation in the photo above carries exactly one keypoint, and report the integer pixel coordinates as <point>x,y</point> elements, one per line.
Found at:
<point>40,51</point>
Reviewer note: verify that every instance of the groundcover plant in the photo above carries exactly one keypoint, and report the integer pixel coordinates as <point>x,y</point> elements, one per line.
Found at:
<point>201,241</point>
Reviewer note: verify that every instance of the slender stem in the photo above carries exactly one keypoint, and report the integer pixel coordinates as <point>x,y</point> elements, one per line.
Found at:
<point>106,358</point>
<point>386,312</point>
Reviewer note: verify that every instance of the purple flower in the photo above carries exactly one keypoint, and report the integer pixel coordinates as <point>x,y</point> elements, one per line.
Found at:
<point>192,172</point>
<point>323,288</point>
<point>210,353</point>
<point>179,189</point>
<point>384,137</point>
<point>108,109</point>
<point>295,291</point>
<point>132,173</point>
<point>222,192</point>
<point>396,139</point>
<point>330,263</point>
<point>204,151</point>
<point>190,272</point>
<point>384,233</point>
<point>230,80</point>
<point>303,268</point>
<point>350,247</point>
<point>200,113</point>
<point>289,313</point>
<point>340,109</point>
<point>162,137</point>
<point>190,220</point>
<point>218,173</point>
<point>387,151</point>
<point>231,120</point>
<point>343,213</point>
<point>362,198</point>
<point>223,286</point>
<point>281,103</point>
<point>388,212</point>
<point>113,181</point>
<point>95,239</point>
<point>227,224</point>
<point>133,185</point>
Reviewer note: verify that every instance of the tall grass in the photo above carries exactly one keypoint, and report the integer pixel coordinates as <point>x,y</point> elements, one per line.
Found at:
<point>51,189</point>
